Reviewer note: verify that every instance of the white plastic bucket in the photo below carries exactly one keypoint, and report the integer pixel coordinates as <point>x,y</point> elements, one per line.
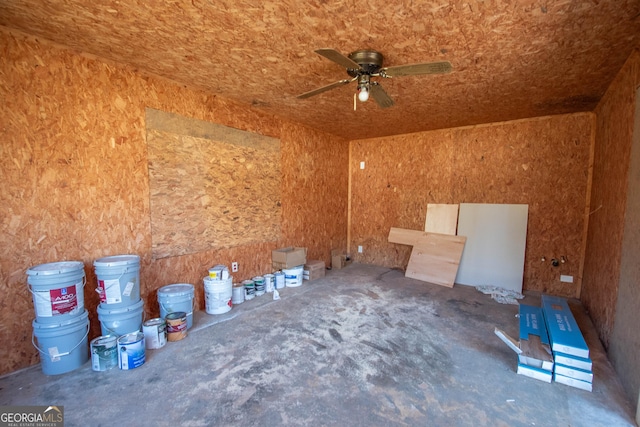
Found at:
<point>279,276</point>
<point>177,297</point>
<point>63,346</point>
<point>293,276</point>
<point>57,289</point>
<point>120,321</point>
<point>118,280</point>
<point>237,294</point>
<point>217,295</point>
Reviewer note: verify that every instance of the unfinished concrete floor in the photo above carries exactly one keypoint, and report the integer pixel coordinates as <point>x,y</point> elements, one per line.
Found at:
<point>364,346</point>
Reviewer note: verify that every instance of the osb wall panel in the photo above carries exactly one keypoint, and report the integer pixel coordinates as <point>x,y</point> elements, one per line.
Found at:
<point>624,343</point>
<point>211,186</point>
<point>75,184</point>
<point>608,198</point>
<point>541,162</point>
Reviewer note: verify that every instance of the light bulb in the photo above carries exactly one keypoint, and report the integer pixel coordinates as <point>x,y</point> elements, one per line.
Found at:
<point>363,94</point>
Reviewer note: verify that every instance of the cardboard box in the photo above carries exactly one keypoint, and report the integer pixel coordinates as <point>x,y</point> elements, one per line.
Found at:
<point>339,259</point>
<point>288,257</point>
<point>534,341</point>
<point>313,270</point>
<point>563,329</point>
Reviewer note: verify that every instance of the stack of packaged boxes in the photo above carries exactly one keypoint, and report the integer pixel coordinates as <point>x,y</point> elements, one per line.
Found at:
<point>551,346</point>
<point>573,366</point>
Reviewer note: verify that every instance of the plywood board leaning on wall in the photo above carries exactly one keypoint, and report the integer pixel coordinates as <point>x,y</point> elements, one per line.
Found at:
<point>496,240</point>
<point>211,186</point>
<point>434,257</point>
<point>441,218</point>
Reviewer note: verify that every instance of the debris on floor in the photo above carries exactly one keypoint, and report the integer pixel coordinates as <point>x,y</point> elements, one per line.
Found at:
<point>502,295</point>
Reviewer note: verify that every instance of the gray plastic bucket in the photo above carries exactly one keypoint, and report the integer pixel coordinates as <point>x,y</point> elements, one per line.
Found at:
<point>63,346</point>
<point>57,289</point>
<point>118,280</point>
<point>175,298</point>
<point>120,321</point>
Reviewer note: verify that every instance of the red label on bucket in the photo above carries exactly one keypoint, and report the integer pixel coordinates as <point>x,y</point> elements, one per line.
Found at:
<point>63,300</point>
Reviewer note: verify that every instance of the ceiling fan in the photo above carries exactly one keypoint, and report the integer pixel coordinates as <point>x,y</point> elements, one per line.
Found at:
<point>364,64</point>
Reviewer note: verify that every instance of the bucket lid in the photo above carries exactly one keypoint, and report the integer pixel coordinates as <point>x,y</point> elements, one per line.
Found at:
<point>104,308</point>
<point>116,261</point>
<point>177,289</point>
<point>52,268</point>
<point>81,318</point>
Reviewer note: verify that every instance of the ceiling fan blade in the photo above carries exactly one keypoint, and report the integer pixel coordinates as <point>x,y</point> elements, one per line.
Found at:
<point>417,69</point>
<point>338,58</point>
<point>380,96</point>
<point>325,88</point>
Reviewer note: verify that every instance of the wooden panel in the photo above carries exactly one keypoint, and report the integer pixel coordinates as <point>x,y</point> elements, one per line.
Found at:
<point>609,204</point>
<point>441,218</point>
<point>496,241</point>
<point>435,258</point>
<point>511,59</point>
<point>405,237</point>
<point>542,162</point>
<point>75,181</point>
<point>211,186</point>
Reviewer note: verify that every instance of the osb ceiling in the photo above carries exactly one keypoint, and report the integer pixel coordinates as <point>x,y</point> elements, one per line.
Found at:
<point>511,58</point>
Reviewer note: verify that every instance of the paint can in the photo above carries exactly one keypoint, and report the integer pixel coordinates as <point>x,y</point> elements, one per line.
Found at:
<point>279,278</point>
<point>176,325</point>
<point>118,280</point>
<point>120,321</point>
<point>237,294</point>
<point>269,282</point>
<point>249,289</point>
<point>104,353</point>
<point>131,352</point>
<point>177,298</point>
<point>217,295</point>
<point>63,345</point>
<point>258,281</point>
<point>155,333</point>
<point>293,276</point>
<point>57,290</point>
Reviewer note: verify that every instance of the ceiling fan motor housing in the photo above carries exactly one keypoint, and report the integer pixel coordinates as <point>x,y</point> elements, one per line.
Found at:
<point>370,62</point>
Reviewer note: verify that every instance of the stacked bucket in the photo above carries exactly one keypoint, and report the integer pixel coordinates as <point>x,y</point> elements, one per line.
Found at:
<point>61,326</point>
<point>120,311</point>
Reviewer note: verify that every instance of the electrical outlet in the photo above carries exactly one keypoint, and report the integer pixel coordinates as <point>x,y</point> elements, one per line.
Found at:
<point>359,249</point>
<point>566,279</point>
<point>234,267</point>
<point>361,165</point>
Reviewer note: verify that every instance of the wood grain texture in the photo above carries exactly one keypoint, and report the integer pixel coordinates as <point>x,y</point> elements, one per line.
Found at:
<point>511,59</point>
<point>442,218</point>
<point>211,186</point>
<point>75,180</point>
<point>614,131</point>
<point>542,162</point>
<point>435,259</point>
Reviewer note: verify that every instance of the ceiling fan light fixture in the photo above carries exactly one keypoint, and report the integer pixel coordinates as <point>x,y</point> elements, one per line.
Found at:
<point>363,93</point>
